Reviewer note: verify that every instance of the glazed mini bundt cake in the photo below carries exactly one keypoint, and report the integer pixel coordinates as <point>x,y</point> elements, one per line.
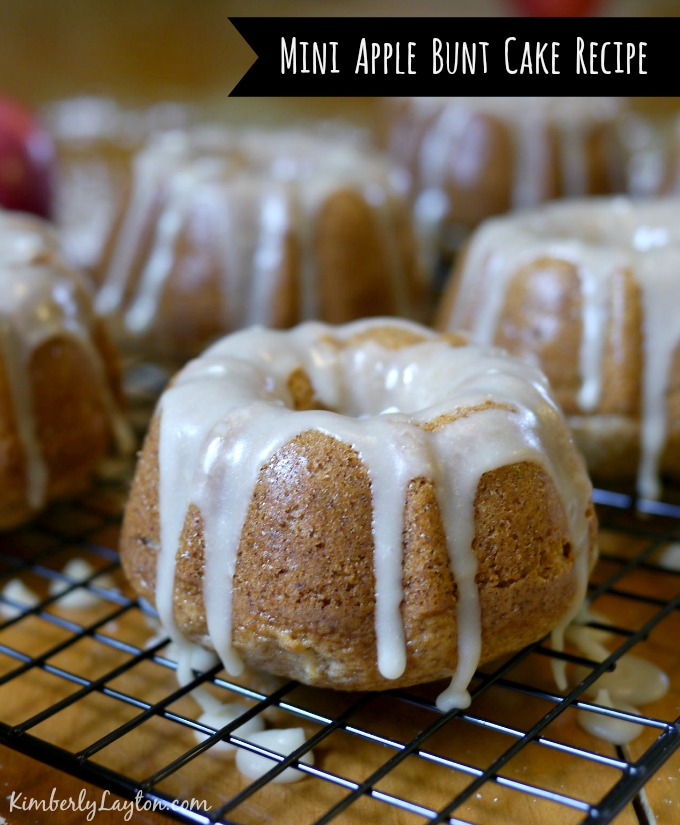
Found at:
<point>60,401</point>
<point>588,291</point>
<point>471,158</point>
<point>225,229</point>
<point>96,139</point>
<point>359,506</point>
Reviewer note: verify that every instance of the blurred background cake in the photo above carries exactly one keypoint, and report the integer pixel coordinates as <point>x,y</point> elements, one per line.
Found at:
<point>95,139</point>
<point>221,228</point>
<point>587,290</point>
<point>471,158</point>
<point>61,407</point>
<point>113,80</point>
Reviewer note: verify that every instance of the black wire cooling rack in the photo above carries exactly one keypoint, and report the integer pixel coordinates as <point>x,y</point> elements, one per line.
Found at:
<point>87,685</point>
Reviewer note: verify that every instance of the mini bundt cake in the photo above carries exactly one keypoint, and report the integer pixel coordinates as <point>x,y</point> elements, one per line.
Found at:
<point>96,139</point>
<point>360,507</point>
<point>471,158</point>
<point>225,229</point>
<point>587,290</point>
<point>60,401</point>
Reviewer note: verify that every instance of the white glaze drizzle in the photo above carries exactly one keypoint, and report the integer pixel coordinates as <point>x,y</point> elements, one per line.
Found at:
<point>669,557</point>
<point>278,740</point>
<point>19,597</point>
<point>228,412</point>
<point>275,208</point>
<point>611,728</point>
<point>253,192</point>
<point>634,681</point>
<point>225,714</point>
<point>75,571</point>
<point>169,224</point>
<point>41,298</point>
<point>602,238</point>
<point>95,138</point>
<point>435,133</point>
<point>658,278</point>
<point>530,141</point>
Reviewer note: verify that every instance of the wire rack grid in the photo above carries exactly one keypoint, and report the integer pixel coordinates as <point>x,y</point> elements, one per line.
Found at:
<point>88,685</point>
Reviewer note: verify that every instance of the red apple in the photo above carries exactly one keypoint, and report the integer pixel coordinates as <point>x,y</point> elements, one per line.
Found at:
<point>556,8</point>
<point>26,160</point>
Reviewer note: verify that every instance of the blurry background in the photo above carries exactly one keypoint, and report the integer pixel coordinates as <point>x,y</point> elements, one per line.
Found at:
<point>145,50</point>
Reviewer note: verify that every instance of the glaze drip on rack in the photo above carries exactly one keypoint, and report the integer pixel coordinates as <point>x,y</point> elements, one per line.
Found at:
<point>228,412</point>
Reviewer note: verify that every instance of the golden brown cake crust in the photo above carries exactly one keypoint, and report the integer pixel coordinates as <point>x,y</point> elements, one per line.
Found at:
<point>73,425</point>
<point>488,156</point>
<point>60,386</point>
<point>192,256</point>
<point>541,322</point>
<point>354,267</point>
<point>304,585</point>
<point>478,149</point>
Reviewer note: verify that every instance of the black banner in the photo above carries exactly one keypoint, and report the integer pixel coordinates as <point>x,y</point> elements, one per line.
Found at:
<point>367,56</point>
